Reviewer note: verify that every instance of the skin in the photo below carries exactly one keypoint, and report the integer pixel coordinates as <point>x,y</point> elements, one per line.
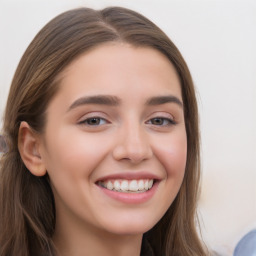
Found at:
<point>126,138</point>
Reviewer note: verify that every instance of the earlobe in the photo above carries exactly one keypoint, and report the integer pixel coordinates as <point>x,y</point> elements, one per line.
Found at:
<point>28,144</point>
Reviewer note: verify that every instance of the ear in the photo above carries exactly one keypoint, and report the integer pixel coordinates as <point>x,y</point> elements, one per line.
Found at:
<point>29,144</point>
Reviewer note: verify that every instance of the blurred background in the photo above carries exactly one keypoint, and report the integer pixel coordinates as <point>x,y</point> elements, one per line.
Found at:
<point>218,41</point>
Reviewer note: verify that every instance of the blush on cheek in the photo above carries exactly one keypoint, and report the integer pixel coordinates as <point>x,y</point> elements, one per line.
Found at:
<point>174,160</point>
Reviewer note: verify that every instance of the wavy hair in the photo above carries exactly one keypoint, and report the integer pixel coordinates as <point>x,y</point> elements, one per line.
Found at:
<point>27,211</point>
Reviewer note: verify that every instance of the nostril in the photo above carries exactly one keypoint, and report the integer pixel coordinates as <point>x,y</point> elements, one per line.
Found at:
<point>133,153</point>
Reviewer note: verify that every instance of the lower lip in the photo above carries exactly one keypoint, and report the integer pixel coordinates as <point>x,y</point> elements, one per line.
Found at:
<point>131,198</point>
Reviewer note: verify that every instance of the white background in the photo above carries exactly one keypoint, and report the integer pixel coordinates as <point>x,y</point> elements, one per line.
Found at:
<point>218,41</point>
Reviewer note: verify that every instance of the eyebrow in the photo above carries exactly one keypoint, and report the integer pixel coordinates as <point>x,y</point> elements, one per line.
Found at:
<point>159,100</point>
<point>109,100</point>
<point>97,100</point>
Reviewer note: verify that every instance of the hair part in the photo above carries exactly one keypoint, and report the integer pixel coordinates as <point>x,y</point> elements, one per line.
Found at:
<point>27,212</point>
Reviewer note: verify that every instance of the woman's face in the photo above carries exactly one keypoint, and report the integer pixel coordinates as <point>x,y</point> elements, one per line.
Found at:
<point>115,140</point>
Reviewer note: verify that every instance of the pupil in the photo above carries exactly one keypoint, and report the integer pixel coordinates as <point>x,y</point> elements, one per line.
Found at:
<point>157,121</point>
<point>94,121</point>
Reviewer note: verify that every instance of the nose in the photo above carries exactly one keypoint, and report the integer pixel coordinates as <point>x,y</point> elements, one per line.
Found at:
<point>132,144</point>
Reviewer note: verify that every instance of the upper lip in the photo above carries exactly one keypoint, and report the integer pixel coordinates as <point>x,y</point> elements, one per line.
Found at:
<point>130,176</point>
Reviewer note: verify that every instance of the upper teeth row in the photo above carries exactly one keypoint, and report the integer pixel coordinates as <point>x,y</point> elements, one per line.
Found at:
<point>127,185</point>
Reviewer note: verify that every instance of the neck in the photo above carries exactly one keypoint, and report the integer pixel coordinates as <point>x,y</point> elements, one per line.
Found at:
<point>89,241</point>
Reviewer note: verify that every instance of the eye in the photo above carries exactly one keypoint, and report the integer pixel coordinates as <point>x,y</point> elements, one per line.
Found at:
<point>161,121</point>
<point>94,121</point>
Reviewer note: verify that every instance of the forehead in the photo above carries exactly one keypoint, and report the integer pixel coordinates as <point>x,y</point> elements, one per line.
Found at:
<point>107,59</point>
<point>119,68</point>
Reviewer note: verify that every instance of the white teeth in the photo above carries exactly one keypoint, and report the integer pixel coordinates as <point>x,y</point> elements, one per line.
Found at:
<point>124,185</point>
<point>146,185</point>
<point>133,186</point>
<point>117,185</point>
<point>110,185</point>
<point>150,184</point>
<point>141,185</point>
<point>128,185</point>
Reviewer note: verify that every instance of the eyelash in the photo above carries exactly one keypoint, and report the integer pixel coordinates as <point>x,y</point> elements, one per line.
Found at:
<point>164,121</point>
<point>97,121</point>
<point>100,119</point>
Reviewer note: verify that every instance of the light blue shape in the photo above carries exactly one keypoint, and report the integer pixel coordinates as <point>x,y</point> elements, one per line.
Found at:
<point>247,245</point>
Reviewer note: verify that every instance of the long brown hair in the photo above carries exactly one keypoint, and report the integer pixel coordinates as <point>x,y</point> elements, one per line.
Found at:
<point>27,212</point>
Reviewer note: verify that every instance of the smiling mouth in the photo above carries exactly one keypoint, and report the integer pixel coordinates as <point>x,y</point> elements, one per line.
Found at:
<point>127,186</point>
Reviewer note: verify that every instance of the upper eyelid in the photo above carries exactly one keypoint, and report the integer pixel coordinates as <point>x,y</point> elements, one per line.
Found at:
<point>108,117</point>
<point>92,117</point>
<point>161,114</point>
<point>166,115</point>
<point>86,123</point>
<point>83,121</point>
<point>171,120</point>
<point>93,114</point>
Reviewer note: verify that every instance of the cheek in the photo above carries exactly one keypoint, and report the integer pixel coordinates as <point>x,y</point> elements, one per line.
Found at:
<point>74,153</point>
<point>172,153</point>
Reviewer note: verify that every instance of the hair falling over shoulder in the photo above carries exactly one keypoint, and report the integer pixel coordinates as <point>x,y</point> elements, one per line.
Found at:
<point>27,211</point>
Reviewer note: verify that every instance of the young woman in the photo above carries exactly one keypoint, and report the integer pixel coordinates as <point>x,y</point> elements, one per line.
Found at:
<point>102,130</point>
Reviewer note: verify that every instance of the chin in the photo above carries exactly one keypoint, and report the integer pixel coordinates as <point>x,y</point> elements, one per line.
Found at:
<point>132,226</point>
